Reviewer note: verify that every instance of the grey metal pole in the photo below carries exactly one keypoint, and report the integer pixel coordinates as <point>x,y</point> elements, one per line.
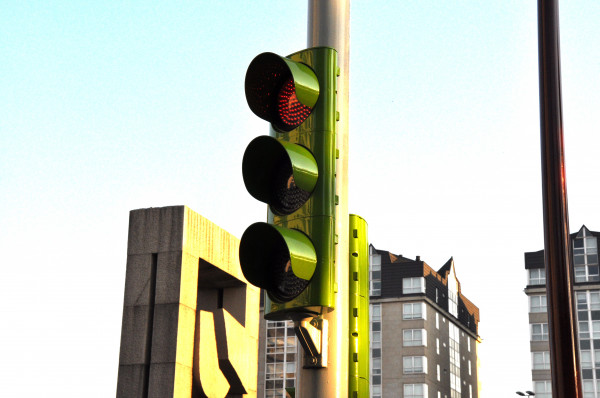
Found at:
<point>329,25</point>
<point>564,354</point>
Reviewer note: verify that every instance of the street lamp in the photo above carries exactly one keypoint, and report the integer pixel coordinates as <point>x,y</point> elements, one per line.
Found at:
<point>526,393</point>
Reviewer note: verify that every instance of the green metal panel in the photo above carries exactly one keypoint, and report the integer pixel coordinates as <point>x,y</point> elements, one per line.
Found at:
<point>358,361</point>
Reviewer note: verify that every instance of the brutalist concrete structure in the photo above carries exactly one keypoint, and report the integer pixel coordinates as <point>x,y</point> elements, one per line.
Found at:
<point>190,319</point>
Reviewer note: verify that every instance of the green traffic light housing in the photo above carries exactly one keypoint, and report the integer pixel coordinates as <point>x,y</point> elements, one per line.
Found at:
<point>279,173</point>
<point>281,91</point>
<point>292,256</point>
<point>282,261</point>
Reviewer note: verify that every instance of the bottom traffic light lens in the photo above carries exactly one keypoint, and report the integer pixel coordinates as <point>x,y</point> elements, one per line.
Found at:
<point>284,285</point>
<point>282,261</point>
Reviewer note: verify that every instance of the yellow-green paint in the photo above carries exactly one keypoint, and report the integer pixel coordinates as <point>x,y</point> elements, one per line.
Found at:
<point>358,360</point>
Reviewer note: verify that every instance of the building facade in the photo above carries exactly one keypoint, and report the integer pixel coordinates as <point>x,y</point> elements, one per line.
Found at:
<point>586,286</point>
<point>424,335</point>
<point>423,342</point>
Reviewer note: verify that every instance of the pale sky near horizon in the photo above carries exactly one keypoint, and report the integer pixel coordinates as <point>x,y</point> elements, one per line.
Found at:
<point>106,107</point>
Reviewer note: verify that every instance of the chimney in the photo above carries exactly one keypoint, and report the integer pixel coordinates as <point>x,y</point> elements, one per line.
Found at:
<point>418,258</point>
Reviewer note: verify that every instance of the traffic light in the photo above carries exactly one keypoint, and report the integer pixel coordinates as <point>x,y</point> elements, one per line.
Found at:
<point>292,255</point>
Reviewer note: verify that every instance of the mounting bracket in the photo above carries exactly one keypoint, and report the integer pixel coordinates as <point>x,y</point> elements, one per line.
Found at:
<point>312,335</point>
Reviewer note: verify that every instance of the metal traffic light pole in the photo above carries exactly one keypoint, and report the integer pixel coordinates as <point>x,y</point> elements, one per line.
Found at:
<point>329,25</point>
<point>561,319</point>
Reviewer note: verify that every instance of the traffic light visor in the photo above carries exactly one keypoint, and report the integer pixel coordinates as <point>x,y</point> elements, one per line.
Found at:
<point>279,260</point>
<point>281,91</point>
<point>279,173</point>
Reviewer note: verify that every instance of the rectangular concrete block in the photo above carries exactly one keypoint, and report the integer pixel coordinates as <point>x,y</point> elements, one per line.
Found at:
<point>155,230</point>
<point>138,280</point>
<point>184,380</point>
<point>135,333</point>
<point>164,333</point>
<point>173,334</point>
<point>162,381</point>
<point>131,381</point>
<point>170,380</point>
<point>168,278</point>
<point>206,240</point>
<point>188,292</point>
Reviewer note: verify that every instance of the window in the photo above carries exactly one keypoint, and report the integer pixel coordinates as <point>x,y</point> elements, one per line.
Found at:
<point>588,389</point>
<point>414,337</point>
<point>537,276</point>
<point>280,364</point>
<point>376,391</point>
<point>413,285</point>
<point>469,363</point>
<point>375,273</point>
<point>542,389</point>
<point>540,360</point>
<point>586,359</point>
<point>437,320</point>
<point>438,372</point>
<point>414,365</point>
<point>413,311</point>
<point>539,332</point>
<point>468,344</point>
<point>594,300</point>
<point>437,346</point>
<point>415,391</point>
<point>453,303</point>
<point>585,257</point>
<point>375,351</point>
<point>454,352</point>
<point>537,303</point>
<point>584,330</point>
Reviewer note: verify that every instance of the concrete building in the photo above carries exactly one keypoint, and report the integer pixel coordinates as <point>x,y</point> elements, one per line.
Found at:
<point>423,335</point>
<point>586,288</point>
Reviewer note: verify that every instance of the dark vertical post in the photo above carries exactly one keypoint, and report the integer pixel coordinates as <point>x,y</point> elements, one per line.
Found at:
<point>561,322</point>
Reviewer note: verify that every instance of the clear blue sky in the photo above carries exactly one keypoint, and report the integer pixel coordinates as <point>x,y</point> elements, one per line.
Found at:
<point>111,106</point>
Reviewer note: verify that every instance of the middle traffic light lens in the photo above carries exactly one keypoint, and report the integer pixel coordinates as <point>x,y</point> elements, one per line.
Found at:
<point>291,112</point>
<point>287,196</point>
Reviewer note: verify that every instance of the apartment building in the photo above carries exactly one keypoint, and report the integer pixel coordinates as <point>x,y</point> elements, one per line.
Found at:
<point>586,286</point>
<point>423,341</point>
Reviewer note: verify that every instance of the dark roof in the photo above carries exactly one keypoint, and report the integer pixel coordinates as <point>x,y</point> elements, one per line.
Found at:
<point>536,259</point>
<point>390,258</point>
<point>446,267</point>
<point>419,267</point>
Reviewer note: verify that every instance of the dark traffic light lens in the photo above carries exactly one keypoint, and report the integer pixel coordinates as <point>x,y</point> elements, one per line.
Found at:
<point>291,112</point>
<point>284,284</point>
<point>282,261</point>
<point>287,196</point>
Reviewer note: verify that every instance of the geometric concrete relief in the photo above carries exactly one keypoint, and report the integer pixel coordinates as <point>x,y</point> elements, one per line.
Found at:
<point>190,318</point>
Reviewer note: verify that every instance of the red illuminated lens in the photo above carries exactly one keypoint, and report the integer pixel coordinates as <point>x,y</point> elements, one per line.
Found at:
<point>291,112</point>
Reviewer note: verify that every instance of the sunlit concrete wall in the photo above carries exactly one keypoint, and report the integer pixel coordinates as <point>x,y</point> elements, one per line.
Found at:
<point>190,319</point>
